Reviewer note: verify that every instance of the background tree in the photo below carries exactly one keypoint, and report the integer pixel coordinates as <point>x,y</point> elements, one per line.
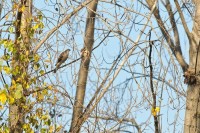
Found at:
<point>124,72</point>
<point>84,67</point>
<point>19,65</point>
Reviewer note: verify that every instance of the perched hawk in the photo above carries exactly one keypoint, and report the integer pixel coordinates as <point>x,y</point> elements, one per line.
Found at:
<point>61,59</point>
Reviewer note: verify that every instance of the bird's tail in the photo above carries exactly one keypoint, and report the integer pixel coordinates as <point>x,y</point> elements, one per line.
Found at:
<point>57,66</point>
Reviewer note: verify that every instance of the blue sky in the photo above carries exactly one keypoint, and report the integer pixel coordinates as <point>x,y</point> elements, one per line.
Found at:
<point>130,93</point>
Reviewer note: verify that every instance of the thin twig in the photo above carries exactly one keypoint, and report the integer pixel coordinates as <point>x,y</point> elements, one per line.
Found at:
<point>151,85</point>
<point>60,24</point>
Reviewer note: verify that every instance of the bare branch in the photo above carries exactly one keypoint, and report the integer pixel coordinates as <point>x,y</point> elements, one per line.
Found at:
<point>173,23</point>
<point>183,21</point>
<point>105,89</point>
<point>60,24</point>
<point>176,49</point>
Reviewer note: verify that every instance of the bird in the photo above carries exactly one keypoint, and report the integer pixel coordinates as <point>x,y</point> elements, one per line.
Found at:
<point>61,59</point>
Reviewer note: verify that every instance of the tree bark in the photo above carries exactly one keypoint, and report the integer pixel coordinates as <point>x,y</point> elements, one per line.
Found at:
<point>22,26</point>
<point>192,114</point>
<point>191,72</point>
<point>84,66</point>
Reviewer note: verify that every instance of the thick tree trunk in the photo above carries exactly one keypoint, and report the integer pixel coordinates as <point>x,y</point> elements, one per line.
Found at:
<point>191,73</point>
<point>84,66</point>
<point>16,111</point>
<point>192,114</point>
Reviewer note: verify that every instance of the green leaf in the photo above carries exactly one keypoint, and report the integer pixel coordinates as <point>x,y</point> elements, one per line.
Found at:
<point>43,130</point>
<point>1,64</point>
<point>41,72</point>
<point>36,66</point>
<point>11,29</point>
<point>18,92</point>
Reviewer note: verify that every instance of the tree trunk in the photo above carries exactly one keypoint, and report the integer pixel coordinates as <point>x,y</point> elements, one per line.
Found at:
<point>192,114</point>
<point>84,66</point>
<point>22,26</point>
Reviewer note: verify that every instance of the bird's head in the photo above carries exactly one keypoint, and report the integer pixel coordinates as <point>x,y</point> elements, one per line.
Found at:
<point>68,50</point>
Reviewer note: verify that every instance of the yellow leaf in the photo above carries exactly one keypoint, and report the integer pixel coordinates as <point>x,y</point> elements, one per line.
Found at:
<point>27,52</point>
<point>41,72</point>
<point>15,6</point>
<point>47,61</point>
<point>11,29</point>
<point>58,128</point>
<point>157,109</point>
<point>22,8</point>
<point>6,69</point>
<point>25,126</point>
<point>33,80</point>
<point>45,117</point>
<point>34,95</point>
<point>49,56</point>
<point>41,25</point>
<point>39,112</point>
<point>50,87</point>
<point>18,92</point>
<point>36,66</point>
<point>3,97</point>
<point>45,84</point>
<point>45,92</point>
<point>51,129</point>
<point>154,111</point>
<point>18,79</point>
<point>1,107</point>
<point>11,100</point>
<point>36,58</point>
<point>40,97</point>
<point>13,82</point>
<point>35,27</point>
<point>27,86</point>
<point>7,16</point>
<point>25,107</point>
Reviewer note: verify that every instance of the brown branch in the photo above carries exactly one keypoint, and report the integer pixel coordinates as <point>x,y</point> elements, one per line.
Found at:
<point>59,67</point>
<point>60,24</point>
<point>27,93</point>
<point>175,49</point>
<point>76,123</point>
<point>151,85</point>
<point>183,21</point>
<point>120,120</point>
<point>77,58</point>
<point>100,87</point>
<point>87,113</point>
<point>195,71</point>
<point>173,23</point>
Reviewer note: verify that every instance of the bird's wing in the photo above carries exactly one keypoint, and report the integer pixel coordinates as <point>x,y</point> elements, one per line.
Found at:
<point>60,58</point>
